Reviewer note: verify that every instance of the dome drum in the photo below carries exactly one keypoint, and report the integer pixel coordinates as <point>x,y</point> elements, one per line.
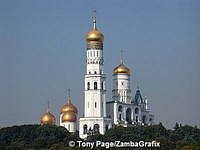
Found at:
<point>94,46</point>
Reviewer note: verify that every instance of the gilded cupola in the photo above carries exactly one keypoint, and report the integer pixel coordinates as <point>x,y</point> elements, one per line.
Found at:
<point>94,35</point>
<point>69,116</point>
<point>121,69</point>
<point>48,118</point>
<point>68,107</point>
<point>68,111</point>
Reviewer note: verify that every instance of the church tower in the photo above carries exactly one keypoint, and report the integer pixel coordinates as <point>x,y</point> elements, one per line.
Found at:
<point>95,77</point>
<point>121,84</point>
<point>94,120</point>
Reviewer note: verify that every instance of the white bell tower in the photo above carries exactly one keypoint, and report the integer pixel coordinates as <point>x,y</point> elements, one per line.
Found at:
<point>121,83</point>
<point>94,120</point>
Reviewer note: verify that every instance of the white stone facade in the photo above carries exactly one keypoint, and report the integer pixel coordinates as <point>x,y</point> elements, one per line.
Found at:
<point>122,109</point>
<point>70,126</point>
<point>125,110</point>
<point>94,120</point>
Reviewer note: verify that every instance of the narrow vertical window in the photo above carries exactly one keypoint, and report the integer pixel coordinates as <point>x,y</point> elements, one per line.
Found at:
<point>136,118</point>
<point>120,117</point>
<point>95,105</point>
<point>85,129</point>
<point>95,85</point>
<point>88,85</point>
<point>102,85</point>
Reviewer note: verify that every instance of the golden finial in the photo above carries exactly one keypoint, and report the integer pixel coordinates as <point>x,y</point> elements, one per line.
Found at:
<point>48,106</point>
<point>138,85</point>
<point>69,98</point>
<point>94,19</point>
<point>121,57</point>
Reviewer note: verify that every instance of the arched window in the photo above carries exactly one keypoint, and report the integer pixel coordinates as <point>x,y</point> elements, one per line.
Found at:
<point>144,120</point>
<point>95,85</point>
<point>88,85</point>
<point>102,85</point>
<point>128,115</point>
<point>136,111</point>
<point>96,128</point>
<point>95,72</point>
<point>136,118</point>
<point>85,129</point>
<point>106,127</point>
<point>120,117</point>
<point>97,54</point>
<point>120,108</point>
<point>95,104</point>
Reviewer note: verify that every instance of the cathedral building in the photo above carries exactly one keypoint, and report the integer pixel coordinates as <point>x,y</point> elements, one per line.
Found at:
<point>100,114</point>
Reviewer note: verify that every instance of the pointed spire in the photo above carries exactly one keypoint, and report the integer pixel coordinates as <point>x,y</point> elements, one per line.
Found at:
<point>94,19</point>
<point>69,98</point>
<point>121,57</point>
<point>48,106</point>
<point>138,85</point>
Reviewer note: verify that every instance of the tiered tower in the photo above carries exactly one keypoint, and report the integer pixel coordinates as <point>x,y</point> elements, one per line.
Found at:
<point>94,120</point>
<point>121,84</point>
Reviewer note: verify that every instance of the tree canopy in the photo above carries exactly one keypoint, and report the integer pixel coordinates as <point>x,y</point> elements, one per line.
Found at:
<point>51,137</point>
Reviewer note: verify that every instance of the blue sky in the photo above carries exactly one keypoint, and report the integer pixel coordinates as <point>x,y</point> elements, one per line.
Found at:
<point>42,54</point>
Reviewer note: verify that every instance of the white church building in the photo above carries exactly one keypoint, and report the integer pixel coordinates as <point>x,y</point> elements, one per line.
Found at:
<point>100,114</point>
<point>123,109</point>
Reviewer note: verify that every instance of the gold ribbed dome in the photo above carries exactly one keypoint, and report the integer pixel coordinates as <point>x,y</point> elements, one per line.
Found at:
<point>68,107</point>
<point>121,69</point>
<point>69,116</point>
<point>47,118</point>
<point>95,35</point>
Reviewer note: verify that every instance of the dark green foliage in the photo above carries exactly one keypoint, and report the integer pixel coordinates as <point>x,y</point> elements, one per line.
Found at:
<point>33,137</point>
<point>50,137</point>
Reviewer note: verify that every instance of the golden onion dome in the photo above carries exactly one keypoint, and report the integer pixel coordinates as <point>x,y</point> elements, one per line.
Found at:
<point>68,107</point>
<point>48,118</point>
<point>121,69</point>
<point>95,35</point>
<point>69,116</point>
